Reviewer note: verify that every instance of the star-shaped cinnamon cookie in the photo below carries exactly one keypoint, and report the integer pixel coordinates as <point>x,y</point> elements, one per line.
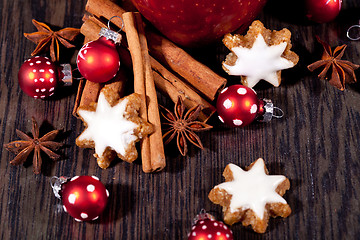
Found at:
<point>112,128</point>
<point>251,196</point>
<point>260,54</point>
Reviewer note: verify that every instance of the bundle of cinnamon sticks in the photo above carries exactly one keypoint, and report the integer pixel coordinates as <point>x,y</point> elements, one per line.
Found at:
<point>168,68</point>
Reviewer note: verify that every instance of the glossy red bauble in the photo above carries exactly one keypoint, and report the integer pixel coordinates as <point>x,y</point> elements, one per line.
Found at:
<point>322,11</point>
<point>84,197</point>
<point>38,77</point>
<point>238,106</point>
<point>194,22</point>
<point>98,61</point>
<point>210,229</point>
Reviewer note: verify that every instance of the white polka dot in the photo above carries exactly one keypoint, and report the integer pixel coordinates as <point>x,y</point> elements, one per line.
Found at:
<point>253,108</point>
<point>64,208</point>
<point>194,234</point>
<point>51,94</point>
<point>37,90</point>
<point>221,119</point>
<point>227,235</point>
<point>43,89</point>
<point>51,89</point>
<point>204,227</point>
<point>37,56</point>
<point>95,218</point>
<point>42,79</point>
<point>48,63</point>
<point>193,227</point>
<point>78,220</point>
<point>35,80</point>
<point>209,236</point>
<point>96,178</point>
<point>107,193</point>
<point>43,96</point>
<point>218,233</point>
<point>84,215</point>
<point>72,198</point>
<point>224,90</point>
<point>237,122</point>
<point>36,96</point>
<point>85,51</point>
<point>225,227</point>
<point>74,178</point>
<point>227,103</point>
<point>51,71</point>
<point>51,80</point>
<point>38,62</point>
<point>34,70</point>
<point>90,188</point>
<point>41,70</point>
<point>241,91</point>
<point>31,64</point>
<point>216,224</point>
<point>201,222</point>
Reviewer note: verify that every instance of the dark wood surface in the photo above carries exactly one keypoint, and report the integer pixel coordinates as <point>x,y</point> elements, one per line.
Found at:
<point>316,145</point>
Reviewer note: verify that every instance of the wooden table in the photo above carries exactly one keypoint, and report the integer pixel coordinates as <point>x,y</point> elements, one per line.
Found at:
<point>316,145</point>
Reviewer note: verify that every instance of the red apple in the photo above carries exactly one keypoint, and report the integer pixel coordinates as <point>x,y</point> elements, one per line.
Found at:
<point>322,11</point>
<point>195,22</point>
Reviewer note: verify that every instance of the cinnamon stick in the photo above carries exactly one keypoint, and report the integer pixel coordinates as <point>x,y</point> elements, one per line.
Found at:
<point>156,141</point>
<point>196,74</point>
<point>170,85</point>
<point>152,148</point>
<point>139,84</point>
<point>105,9</point>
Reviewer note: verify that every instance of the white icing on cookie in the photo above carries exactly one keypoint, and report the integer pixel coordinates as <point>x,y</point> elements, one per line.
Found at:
<point>252,189</point>
<point>107,127</point>
<point>259,62</point>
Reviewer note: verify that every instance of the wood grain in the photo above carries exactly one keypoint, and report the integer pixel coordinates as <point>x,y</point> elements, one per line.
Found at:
<point>316,145</point>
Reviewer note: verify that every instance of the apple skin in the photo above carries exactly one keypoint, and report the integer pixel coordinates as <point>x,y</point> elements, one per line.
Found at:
<point>322,11</point>
<point>193,23</point>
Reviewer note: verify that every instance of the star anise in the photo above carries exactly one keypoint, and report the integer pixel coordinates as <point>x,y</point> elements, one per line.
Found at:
<point>183,125</point>
<point>27,144</point>
<point>45,38</point>
<point>342,71</point>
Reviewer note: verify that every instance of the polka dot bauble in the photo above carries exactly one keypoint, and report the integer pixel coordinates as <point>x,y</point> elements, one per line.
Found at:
<point>207,228</point>
<point>98,61</point>
<point>238,106</point>
<point>38,77</point>
<point>84,197</point>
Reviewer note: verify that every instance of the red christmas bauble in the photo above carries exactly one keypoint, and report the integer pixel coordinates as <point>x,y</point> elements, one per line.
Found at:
<point>38,77</point>
<point>210,229</point>
<point>238,106</point>
<point>84,197</point>
<point>98,61</point>
<point>322,11</point>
